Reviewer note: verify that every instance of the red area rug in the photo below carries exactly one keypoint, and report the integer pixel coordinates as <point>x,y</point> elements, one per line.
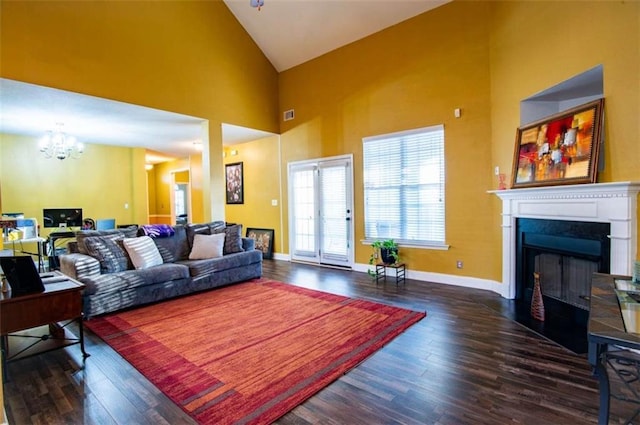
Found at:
<point>249,353</point>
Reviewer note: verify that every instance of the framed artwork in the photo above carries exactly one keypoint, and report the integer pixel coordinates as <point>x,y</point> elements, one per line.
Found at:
<point>263,239</point>
<point>234,183</point>
<point>561,149</point>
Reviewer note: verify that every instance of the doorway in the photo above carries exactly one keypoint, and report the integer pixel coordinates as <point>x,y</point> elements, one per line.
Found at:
<point>180,202</point>
<point>321,210</point>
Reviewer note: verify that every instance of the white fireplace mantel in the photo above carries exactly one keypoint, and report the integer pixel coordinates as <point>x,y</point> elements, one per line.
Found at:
<point>614,203</point>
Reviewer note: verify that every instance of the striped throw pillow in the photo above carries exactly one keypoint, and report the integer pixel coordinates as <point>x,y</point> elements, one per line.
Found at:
<point>142,251</point>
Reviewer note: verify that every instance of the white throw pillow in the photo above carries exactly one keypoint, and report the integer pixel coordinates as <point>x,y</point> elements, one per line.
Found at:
<point>142,251</point>
<point>207,246</point>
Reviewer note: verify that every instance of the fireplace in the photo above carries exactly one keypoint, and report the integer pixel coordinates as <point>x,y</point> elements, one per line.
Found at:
<point>565,233</point>
<point>610,204</point>
<point>564,254</point>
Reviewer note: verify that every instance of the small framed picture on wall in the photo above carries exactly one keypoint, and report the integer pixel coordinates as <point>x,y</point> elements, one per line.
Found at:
<point>234,183</point>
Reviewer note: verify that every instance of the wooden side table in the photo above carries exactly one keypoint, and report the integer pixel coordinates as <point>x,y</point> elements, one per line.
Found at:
<point>381,272</point>
<point>54,309</point>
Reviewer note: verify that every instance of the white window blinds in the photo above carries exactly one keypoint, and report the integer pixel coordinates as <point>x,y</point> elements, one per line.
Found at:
<point>404,186</point>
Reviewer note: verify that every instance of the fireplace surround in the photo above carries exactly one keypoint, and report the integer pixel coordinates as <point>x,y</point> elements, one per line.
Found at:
<point>612,203</point>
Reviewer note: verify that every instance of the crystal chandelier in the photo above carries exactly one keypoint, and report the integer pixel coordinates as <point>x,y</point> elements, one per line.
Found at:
<point>60,145</point>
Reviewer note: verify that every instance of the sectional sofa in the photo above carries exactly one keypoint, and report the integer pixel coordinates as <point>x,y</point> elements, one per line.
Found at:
<point>128,267</point>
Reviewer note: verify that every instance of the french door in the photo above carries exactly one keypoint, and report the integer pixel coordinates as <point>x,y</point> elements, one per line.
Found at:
<point>321,210</point>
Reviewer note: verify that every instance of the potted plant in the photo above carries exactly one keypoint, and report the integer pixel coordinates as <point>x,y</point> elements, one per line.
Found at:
<point>385,250</point>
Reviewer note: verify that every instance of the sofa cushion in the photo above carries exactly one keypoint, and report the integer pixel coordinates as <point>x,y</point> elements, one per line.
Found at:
<point>142,251</point>
<point>198,268</point>
<point>207,246</point>
<point>111,256</point>
<point>134,278</point>
<point>193,229</point>
<point>233,238</point>
<point>113,233</point>
<point>174,248</point>
<point>216,226</point>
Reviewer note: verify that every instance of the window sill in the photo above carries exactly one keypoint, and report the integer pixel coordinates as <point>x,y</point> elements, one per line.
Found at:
<point>433,246</point>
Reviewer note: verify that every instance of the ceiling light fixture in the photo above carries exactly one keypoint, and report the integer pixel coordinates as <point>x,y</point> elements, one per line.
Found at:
<point>56,143</point>
<point>257,3</point>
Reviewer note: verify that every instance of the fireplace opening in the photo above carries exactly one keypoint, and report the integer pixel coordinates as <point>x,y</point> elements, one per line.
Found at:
<point>565,254</point>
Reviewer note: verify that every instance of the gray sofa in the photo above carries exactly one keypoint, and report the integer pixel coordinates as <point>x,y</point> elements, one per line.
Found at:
<point>99,260</point>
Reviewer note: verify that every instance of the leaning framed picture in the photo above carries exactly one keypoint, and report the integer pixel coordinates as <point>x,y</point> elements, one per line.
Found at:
<point>263,239</point>
<point>234,180</point>
<point>560,149</point>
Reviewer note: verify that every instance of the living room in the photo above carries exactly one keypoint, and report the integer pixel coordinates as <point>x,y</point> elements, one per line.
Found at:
<point>194,58</point>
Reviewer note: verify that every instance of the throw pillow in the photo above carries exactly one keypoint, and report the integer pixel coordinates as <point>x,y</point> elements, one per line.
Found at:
<point>110,255</point>
<point>196,229</point>
<point>233,238</point>
<point>207,246</point>
<point>142,251</point>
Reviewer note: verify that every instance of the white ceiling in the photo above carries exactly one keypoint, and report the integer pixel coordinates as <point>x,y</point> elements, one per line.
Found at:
<point>289,32</point>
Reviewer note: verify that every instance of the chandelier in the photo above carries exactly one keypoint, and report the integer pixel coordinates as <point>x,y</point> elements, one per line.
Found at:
<point>257,3</point>
<point>56,143</point>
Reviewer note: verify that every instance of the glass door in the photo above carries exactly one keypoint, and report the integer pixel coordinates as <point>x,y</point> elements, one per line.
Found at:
<point>321,199</point>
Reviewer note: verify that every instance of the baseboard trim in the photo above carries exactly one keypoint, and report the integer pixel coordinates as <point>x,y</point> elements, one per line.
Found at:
<point>444,279</point>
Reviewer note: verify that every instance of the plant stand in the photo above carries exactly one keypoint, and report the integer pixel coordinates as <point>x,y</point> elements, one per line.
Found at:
<point>381,272</point>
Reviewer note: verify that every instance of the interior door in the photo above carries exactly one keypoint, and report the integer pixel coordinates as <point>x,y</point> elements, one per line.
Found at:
<point>321,210</point>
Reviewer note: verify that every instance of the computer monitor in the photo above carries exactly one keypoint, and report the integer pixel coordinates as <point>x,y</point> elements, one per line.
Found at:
<point>22,275</point>
<point>62,217</point>
<point>105,224</point>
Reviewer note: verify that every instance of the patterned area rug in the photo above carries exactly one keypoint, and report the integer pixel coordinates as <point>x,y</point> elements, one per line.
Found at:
<point>249,353</point>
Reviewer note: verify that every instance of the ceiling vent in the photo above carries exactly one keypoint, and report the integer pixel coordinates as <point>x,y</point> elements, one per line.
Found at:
<point>289,115</point>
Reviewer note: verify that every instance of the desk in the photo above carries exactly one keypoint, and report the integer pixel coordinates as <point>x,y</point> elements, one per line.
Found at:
<point>17,231</point>
<point>607,334</point>
<point>40,243</point>
<point>53,237</point>
<point>59,305</point>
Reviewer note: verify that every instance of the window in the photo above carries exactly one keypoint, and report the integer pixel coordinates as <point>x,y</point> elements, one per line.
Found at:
<point>404,186</point>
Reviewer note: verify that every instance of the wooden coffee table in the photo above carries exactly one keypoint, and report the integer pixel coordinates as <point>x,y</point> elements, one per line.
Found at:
<point>34,323</point>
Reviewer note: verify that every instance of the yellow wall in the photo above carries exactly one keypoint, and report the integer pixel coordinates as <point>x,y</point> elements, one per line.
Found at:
<point>182,176</point>
<point>101,181</point>
<point>563,39</point>
<point>261,186</point>
<point>409,76</point>
<point>151,192</point>
<point>482,57</point>
<point>196,173</point>
<point>161,178</point>
<point>187,57</point>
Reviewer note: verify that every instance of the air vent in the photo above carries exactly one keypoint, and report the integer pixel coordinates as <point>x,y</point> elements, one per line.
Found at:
<point>289,115</point>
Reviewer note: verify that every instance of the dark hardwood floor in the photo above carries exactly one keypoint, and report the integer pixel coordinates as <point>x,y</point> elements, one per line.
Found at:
<point>465,363</point>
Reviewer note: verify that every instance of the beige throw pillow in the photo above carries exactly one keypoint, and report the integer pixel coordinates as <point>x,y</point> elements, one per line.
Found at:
<point>207,246</point>
<point>142,251</point>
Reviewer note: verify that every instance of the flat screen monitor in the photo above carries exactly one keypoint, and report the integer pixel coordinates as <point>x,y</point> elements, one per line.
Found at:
<point>62,217</point>
<point>105,223</point>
